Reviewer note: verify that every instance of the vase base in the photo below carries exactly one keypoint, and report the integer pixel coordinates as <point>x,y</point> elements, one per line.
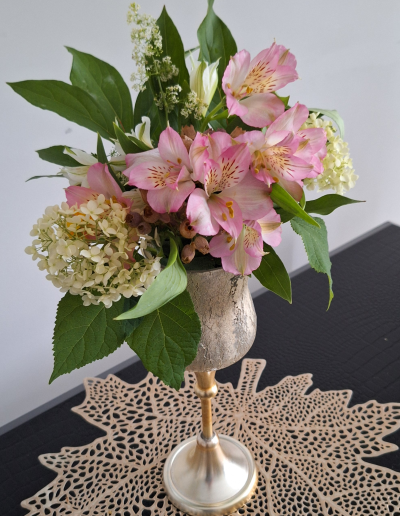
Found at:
<point>210,477</point>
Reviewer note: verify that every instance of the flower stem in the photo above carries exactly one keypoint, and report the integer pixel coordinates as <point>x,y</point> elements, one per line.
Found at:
<point>213,115</point>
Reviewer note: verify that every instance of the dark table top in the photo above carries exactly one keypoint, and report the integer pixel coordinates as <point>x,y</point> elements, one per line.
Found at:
<point>355,345</point>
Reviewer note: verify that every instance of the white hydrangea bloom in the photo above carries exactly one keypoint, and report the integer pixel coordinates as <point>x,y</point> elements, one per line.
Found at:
<point>90,251</point>
<point>338,171</point>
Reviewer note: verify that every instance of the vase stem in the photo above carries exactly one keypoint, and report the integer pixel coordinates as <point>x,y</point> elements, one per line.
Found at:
<point>206,389</point>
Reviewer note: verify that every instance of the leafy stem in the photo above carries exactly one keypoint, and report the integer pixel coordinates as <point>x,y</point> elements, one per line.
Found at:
<point>213,115</point>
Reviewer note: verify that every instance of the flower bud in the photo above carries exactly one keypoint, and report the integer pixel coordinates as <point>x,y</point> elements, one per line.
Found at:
<point>149,215</point>
<point>186,230</point>
<point>204,81</point>
<point>144,228</point>
<point>142,132</point>
<point>202,244</point>
<point>143,193</point>
<point>133,219</point>
<point>188,253</point>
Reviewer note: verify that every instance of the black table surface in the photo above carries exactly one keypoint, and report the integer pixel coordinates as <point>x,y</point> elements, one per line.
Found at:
<point>355,345</point>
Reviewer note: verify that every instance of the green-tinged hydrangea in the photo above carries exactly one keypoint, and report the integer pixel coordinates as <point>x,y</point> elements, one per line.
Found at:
<point>338,171</point>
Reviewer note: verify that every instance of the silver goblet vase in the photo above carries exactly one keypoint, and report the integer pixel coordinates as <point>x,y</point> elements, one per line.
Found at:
<point>212,474</point>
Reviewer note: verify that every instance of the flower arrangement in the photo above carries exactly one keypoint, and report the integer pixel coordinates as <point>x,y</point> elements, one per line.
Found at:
<point>202,173</point>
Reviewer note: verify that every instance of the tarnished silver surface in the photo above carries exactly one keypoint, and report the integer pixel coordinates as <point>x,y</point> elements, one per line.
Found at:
<point>228,319</point>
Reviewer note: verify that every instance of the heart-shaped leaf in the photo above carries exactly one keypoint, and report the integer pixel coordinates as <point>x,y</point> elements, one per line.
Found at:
<point>315,241</point>
<point>166,341</point>
<point>171,282</point>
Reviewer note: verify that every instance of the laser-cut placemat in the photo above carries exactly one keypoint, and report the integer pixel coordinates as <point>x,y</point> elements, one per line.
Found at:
<point>309,448</point>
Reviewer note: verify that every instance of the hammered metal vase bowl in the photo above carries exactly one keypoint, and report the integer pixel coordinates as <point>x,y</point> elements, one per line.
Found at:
<point>213,474</point>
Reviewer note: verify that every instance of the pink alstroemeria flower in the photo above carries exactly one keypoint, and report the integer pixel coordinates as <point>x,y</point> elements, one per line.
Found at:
<point>248,85</point>
<point>164,172</point>
<point>240,255</point>
<point>230,193</point>
<point>286,154</point>
<point>100,182</point>
<point>271,227</point>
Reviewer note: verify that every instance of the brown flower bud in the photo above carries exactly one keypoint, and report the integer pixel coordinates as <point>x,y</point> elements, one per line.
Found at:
<point>164,217</point>
<point>144,228</point>
<point>187,142</point>
<point>143,193</point>
<point>202,244</point>
<point>186,230</point>
<point>133,219</point>
<point>237,132</point>
<point>149,215</point>
<point>188,253</point>
<point>189,131</point>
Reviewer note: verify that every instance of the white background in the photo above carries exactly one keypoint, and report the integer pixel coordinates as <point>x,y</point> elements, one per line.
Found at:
<point>348,55</point>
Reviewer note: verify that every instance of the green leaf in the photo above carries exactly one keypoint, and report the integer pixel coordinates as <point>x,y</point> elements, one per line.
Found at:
<point>67,101</point>
<point>285,100</point>
<point>173,46</point>
<point>284,215</point>
<point>272,274</point>
<point>316,244</point>
<point>333,115</point>
<point>105,85</point>
<point>56,155</point>
<point>286,201</point>
<point>328,203</point>
<point>191,50</point>
<point>83,334</point>
<point>169,283</point>
<point>101,153</point>
<point>303,200</point>
<point>144,106</point>
<point>127,145</point>
<point>216,41</point>
<point>130,324</point>
<point>39,177</point>
<point>167,339</point>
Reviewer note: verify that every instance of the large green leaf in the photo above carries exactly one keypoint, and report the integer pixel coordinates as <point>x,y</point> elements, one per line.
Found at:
<point>83,334</point>
<point>144,106</point>
<point>272,274</point>
<point>216,41</point>
<point>173,46</point>
<point>169,283</point>
<point>56,155</point>
<point>105,85</point>
<point>67,101</point>
<point>166,340</point>
<point>316,245</point>
<point>286,201</point>
<point>328,203</point>
<point>333,115</point>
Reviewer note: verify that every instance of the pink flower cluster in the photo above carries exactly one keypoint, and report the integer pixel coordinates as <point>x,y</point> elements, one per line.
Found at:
<point>224,181</point>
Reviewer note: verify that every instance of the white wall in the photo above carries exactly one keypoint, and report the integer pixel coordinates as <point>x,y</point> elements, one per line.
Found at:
<point>348,56</point>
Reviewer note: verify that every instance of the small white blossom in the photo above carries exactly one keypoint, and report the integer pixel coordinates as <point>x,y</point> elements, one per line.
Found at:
<point>147,43</point>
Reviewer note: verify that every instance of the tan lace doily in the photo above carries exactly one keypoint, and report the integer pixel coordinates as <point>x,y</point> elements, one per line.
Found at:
<point>309,449</point>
